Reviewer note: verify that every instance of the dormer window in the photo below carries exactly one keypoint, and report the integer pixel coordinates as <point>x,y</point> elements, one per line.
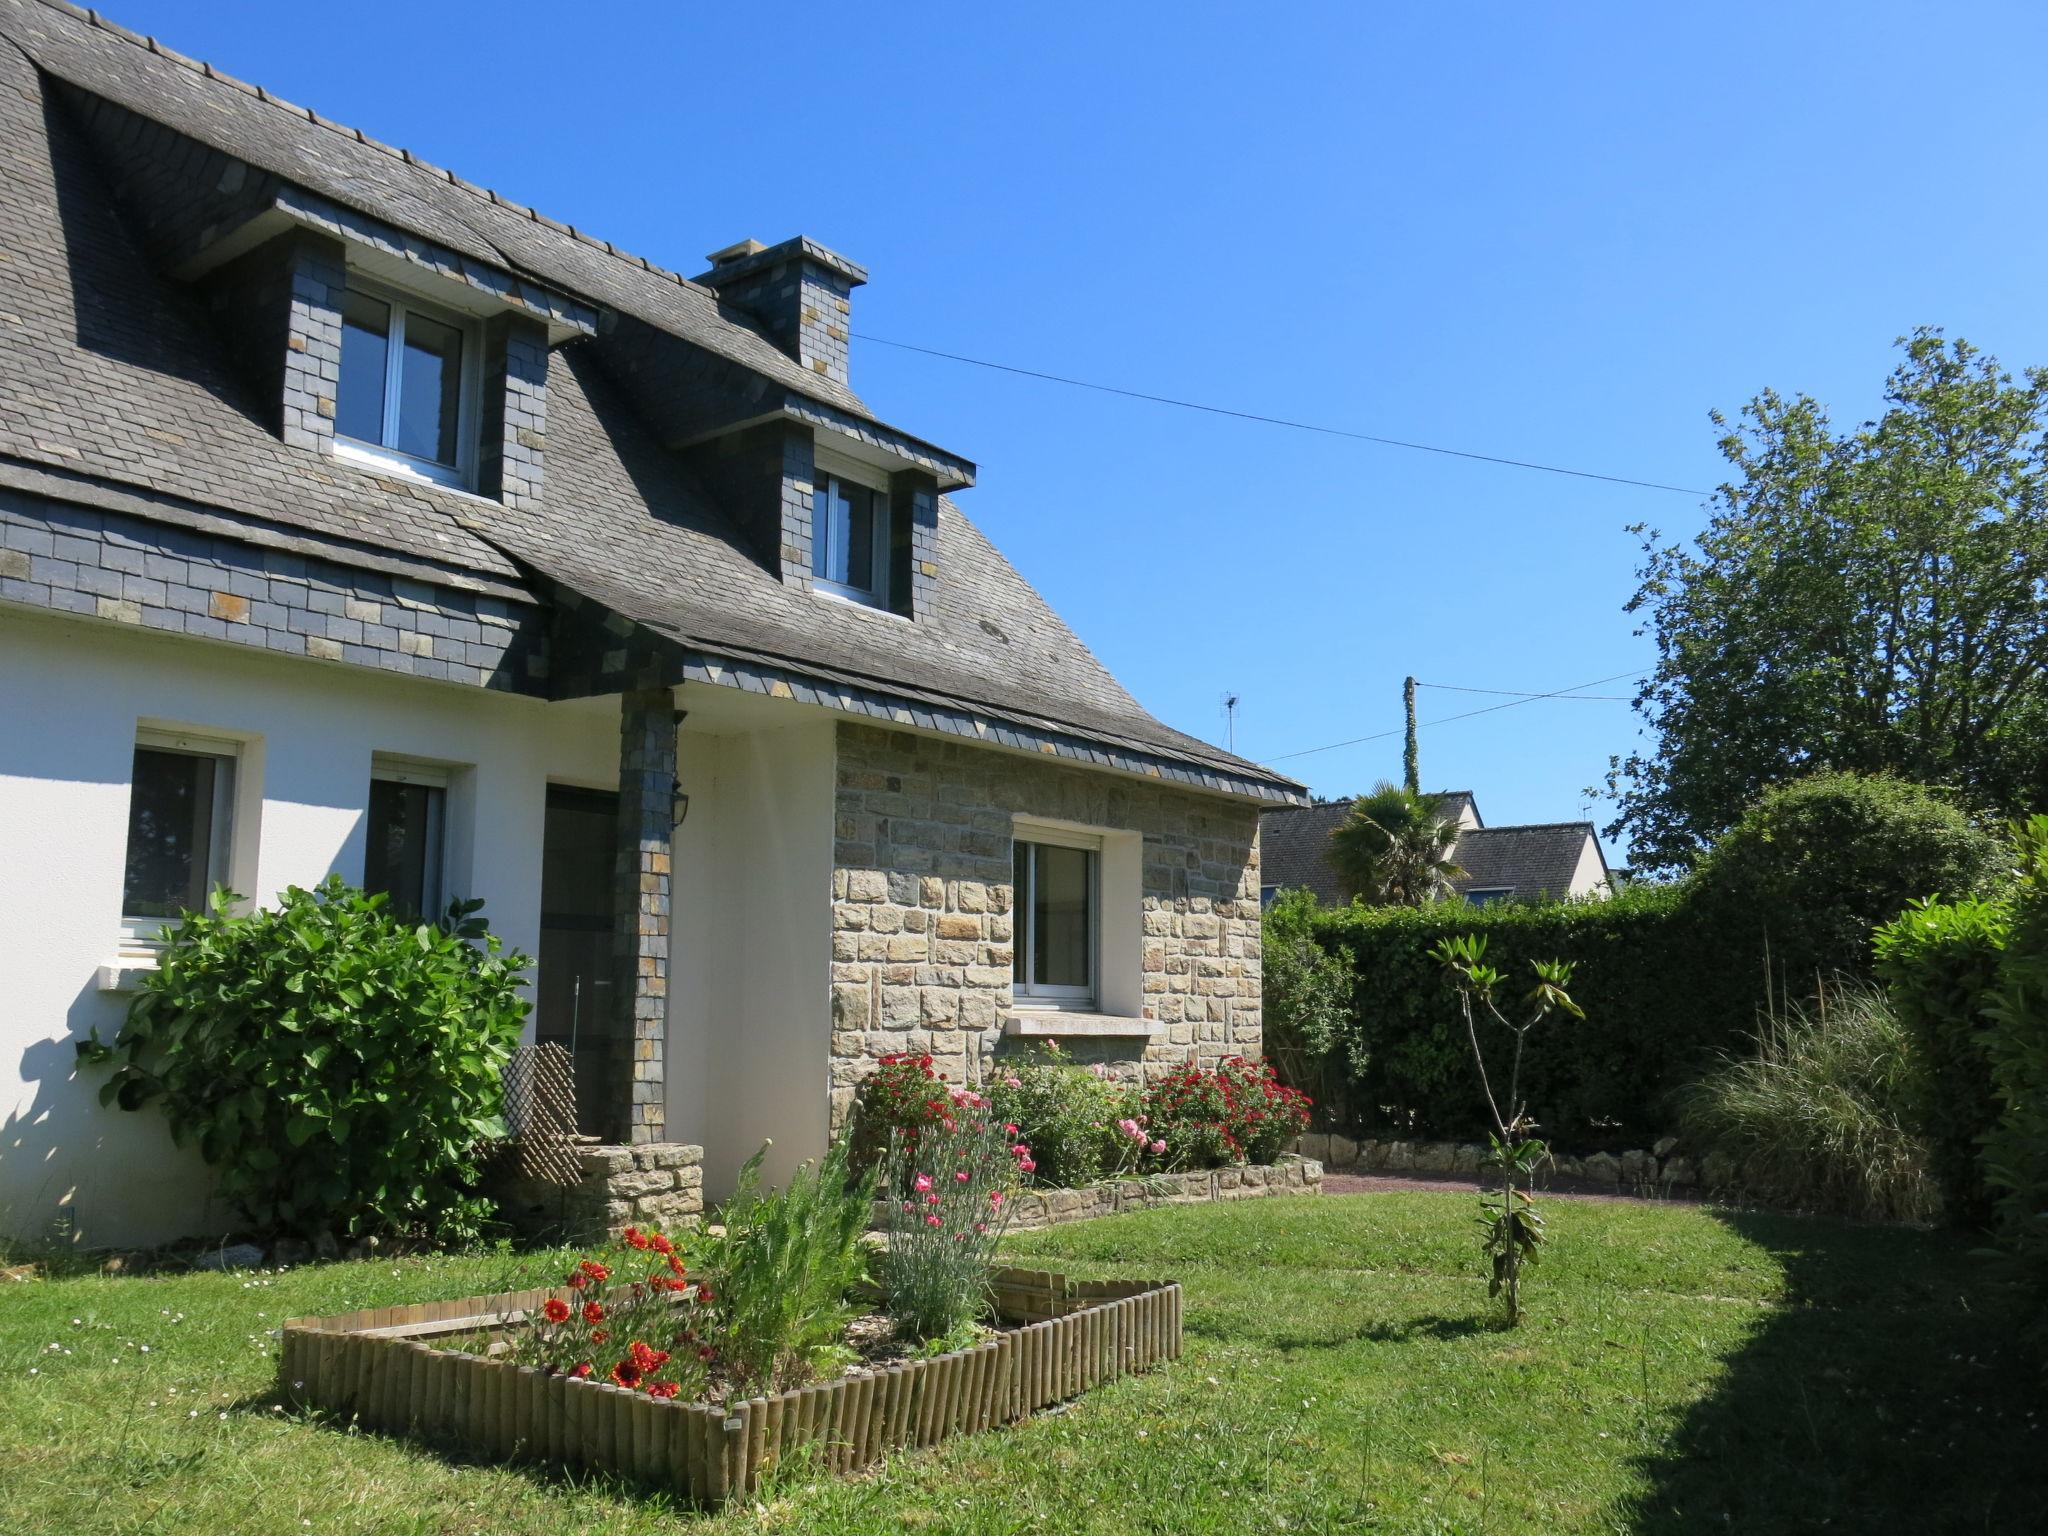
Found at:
<point>851,539</point>
<point>406,400</point>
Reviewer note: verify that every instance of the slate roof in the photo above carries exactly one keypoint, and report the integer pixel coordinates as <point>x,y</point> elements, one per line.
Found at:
<point>1530,862</point>
<point>110,373</point>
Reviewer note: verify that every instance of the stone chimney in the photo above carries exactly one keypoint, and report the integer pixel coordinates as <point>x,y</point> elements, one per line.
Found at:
<point>798,291</point>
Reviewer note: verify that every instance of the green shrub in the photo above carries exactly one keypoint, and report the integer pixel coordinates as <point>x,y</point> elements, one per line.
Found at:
<point>2016,1151</point>
<point>337,1066</point>
<point>783,1267</point>
<point>1237,1112</point>
<point>904,1093</point>
<point>1065,1112</point>
<point>1817,863</point>
<point>1819,1115</point>
<point>1307,996</point>
<point>1939,963</point>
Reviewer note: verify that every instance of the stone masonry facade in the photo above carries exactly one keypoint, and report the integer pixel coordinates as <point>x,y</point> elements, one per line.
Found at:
<point>922,920</point>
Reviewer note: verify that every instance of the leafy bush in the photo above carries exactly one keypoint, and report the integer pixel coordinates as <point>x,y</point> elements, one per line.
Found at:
<point>1238,1112</point>
<point>1940,964</point>
<point>1066,1112</point>
<point>780,1271</point>
<point>1307,997</point>
<point>904,1093</point>
<point>2016,1150</point>
<point>944,1220</point>
<point>1820,1115</point>
<point>337,1065</point>
<point>1816,864</point>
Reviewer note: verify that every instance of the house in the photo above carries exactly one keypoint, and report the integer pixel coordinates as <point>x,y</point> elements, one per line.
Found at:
<point>354,518</point>
<point>1556,861</point>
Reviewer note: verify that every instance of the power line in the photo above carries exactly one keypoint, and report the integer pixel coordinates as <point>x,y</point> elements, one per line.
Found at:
<point>1519,693</point>
<point>1488,709</point>
<point>1281,421</point>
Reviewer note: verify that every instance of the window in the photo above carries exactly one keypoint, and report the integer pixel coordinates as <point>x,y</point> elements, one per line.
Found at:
<point>1488,896</point>
<point>406,824</point>
<point>405,400</point>
<point>851,540</point>
<point>180,819</point>
<point>1057,936</point>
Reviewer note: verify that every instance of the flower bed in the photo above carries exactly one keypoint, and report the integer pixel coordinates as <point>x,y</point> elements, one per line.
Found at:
<point>392,1369</point>
<point>1030,1209</point>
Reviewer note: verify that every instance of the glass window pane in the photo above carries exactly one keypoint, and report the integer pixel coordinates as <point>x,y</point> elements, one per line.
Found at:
<point>828,529</point>
<point>402,857</point>
<point>429,389</point>
<point>1020,897</point>
<point>1060,926</point>
<point>365,352</point>
<point>860,538</point>
<point>170,833</point>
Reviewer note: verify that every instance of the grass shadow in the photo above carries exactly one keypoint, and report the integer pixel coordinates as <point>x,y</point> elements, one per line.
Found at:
<point>1884,1394</point>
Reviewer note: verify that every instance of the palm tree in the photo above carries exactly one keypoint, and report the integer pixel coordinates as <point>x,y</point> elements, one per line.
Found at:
<point>1394,849</point>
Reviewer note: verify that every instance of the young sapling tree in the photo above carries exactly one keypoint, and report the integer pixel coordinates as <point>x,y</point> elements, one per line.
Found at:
<point>1512,1230</point>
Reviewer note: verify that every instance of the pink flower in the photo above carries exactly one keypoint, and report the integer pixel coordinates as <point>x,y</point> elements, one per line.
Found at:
<point>932,1220</point>
<point>995,1197</point>
<point>960,1177</point>
<point>932,1198</point>
<point>921,1183</point>
<point>1013,1081</point>
<point>981,1226</point>
<point>1158,1148</point>
<point>908,1206</point>
<point>1010,1129</point>
<point>1026,1165</point>
<point>1131,1129</point>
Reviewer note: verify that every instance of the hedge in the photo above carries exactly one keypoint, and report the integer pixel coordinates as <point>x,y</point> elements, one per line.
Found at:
<point>1668,975</point>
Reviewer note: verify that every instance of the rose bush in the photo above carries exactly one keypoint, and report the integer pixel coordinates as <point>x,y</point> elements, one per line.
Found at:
<point>1238,1112</point>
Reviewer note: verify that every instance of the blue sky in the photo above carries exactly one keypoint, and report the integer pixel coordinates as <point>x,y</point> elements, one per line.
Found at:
<point>1549,233</point>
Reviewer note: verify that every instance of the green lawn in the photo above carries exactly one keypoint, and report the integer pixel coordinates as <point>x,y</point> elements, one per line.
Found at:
<point>1684,1370</point>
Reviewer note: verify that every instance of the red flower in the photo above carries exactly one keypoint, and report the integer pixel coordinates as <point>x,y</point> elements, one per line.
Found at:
<point>663,1388</point>
<point>598,1335</point>
<point>675,1265</point>
<point>704,1293</point>
<point>626,1374</point>
<point>580,1369</point>
<point>555,1310</point>
<point>660,1244</point>
<point>635,1238</point>
<point>647,1357</point>
<point>593,1311</point>
<point>578,1280</point>
<point>595,1270</point>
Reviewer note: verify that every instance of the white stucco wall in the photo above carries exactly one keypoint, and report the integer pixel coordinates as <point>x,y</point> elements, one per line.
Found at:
<point>71,696</point>
<point>749,1008</point>
<point>1590,877</point>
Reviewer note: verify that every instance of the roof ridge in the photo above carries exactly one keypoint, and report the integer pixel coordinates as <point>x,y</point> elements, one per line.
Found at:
<point>1527,826</point>
<point>271,98</point>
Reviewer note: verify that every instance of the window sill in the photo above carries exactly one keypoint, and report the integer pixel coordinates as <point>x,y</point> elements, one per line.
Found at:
<point>124,973</point>
<point>1053,1024</point>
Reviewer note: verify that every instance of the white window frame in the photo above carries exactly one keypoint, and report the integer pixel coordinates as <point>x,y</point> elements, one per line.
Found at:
<point>434,874</point>
<point>1041,995</point>
<point>221,836</point>
<point>826,469</point>
<point>379,456</point>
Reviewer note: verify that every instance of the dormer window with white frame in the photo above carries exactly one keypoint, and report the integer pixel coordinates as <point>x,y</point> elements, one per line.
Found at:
<point>407,399</point>
<point>852,537</point>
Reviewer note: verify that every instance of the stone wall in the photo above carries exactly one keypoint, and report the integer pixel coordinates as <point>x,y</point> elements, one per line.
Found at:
<point>1663,1166</point>
<point>1031,1209</point>
<point>921,897</point>
<point>659,1183</point>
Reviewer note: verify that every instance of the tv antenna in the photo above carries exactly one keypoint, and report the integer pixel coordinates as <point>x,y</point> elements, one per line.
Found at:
<point>1229,701</point>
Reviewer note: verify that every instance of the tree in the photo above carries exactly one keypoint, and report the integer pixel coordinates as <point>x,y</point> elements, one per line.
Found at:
<point>1394,849</point>
<point>1874,600</point>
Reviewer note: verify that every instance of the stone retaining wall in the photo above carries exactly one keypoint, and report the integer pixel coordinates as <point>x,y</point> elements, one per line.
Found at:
<point>1031,1209</point>
<point>661,1183</point>
<point>1660,1167</point>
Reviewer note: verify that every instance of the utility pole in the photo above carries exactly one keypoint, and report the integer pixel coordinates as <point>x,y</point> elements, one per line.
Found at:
<point>1230,722</point>
<point>1411,762</point>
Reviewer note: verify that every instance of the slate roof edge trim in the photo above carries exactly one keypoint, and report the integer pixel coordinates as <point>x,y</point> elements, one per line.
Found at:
<point>896,708</point>
<point>545,301</point>
<point>59,485</point>
<point>200,67</point>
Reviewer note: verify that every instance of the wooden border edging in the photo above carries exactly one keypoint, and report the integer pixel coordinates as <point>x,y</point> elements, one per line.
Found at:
<point>382,1368</point>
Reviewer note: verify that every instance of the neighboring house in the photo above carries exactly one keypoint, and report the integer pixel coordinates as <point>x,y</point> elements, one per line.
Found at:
<point>1552,861</point>
<point>353,518</point>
